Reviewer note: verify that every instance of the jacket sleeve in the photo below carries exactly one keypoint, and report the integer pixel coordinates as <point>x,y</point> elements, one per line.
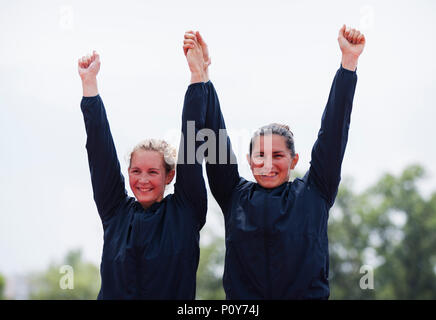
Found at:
<point>107,180</point>
<point>221,164</point>
<point>189,174</point>
<point>328,150</point>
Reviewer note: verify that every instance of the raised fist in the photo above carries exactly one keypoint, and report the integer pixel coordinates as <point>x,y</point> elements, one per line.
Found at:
<point>89,66</point>
<point>351,41</point>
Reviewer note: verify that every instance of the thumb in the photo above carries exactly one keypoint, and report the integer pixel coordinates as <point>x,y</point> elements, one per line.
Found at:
<point>342,31</point>
<point>96,56</point>
<point>199,38</point>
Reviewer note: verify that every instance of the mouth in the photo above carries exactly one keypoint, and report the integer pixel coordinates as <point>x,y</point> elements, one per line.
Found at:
<point>269,175</point>
<point>145,189</point>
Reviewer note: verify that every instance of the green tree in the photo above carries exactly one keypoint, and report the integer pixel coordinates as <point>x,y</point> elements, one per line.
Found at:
<point>348,242</point>
<point>210,271</point>
<point>391,227</point>
<point>2,287</point>
<point>408,247</point>
<point>86,280</point>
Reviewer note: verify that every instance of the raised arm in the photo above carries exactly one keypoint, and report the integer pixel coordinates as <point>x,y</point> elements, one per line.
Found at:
<point>189,179</point>
<point>107,180</point>
<point>221,165</point>
<point>328,151</point>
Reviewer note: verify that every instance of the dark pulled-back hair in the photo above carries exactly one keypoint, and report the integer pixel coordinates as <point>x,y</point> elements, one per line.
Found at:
<point>278,129</point>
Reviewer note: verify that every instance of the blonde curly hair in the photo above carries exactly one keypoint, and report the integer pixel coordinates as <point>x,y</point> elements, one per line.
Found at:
<point>168,151</point>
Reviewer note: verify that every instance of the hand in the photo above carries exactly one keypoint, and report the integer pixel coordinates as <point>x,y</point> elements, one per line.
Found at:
<point>89,66</point>
<point>206,58</point>
<point>193,41</point>
<point>351,43</point>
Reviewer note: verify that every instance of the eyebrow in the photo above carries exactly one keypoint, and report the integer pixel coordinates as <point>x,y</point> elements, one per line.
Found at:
<point>275,152</point>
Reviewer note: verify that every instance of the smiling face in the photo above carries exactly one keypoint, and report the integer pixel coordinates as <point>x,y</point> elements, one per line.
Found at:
<point>271,161</point>
<point>148,177</point>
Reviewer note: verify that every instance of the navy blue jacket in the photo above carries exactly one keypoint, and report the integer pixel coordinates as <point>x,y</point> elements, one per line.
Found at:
<point>153,253</point>
<point>276,239</point>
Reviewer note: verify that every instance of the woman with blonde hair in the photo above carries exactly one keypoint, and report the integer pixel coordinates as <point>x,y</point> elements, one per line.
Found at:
<point>151,243</point>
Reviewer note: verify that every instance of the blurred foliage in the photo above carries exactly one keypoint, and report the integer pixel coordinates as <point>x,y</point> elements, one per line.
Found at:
<point>390,227</point>
<point>2,287</point>
<point>46,285</point>
<point>210,271</point>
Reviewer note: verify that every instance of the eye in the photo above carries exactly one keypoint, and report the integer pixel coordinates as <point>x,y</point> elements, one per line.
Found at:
<point>135,171</point>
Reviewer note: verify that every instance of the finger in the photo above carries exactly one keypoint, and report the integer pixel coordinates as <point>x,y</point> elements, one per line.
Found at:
<point>186,48</point>
<point>361,39</point>
<point>190,36</point>
<point>200,39</point>
<point>190,32</point>
<point>356,34</point>
<point>188,45</point>
<point>190,42</point>
<point>86,60</point>
<point>93,56</point>
<point>350,35</point>
<point>96,56</point>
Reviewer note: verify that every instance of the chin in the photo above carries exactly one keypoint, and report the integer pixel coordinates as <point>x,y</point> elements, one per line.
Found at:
<point>268,184</point>
<point>147,200</point>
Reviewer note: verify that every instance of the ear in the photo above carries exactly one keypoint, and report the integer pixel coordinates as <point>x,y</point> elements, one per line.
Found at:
<point>294,161</point>
<point>170,176</point>
<point>249,160</point>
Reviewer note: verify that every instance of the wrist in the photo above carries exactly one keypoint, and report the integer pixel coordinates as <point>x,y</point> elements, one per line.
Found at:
<point>206,76</point>
<point>349,62</point>
<point>197,76</point>
<point>89,85</point>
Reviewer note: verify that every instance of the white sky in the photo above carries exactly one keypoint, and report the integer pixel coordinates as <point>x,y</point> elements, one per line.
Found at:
<point>272,61</point>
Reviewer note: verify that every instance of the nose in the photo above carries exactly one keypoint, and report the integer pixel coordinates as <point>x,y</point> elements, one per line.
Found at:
<point>143,178</point>
<point>263,165</point>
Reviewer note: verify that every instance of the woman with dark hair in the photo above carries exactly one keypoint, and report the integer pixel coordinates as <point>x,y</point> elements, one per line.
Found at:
<point>276,230</point>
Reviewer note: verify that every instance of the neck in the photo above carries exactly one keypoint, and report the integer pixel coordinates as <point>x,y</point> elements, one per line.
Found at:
<point>147,205</point>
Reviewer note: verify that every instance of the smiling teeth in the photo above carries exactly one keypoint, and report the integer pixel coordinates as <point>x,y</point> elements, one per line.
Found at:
<point>270,175</point>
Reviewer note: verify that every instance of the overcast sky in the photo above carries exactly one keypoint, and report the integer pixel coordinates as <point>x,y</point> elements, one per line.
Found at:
<point>272,61</point>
